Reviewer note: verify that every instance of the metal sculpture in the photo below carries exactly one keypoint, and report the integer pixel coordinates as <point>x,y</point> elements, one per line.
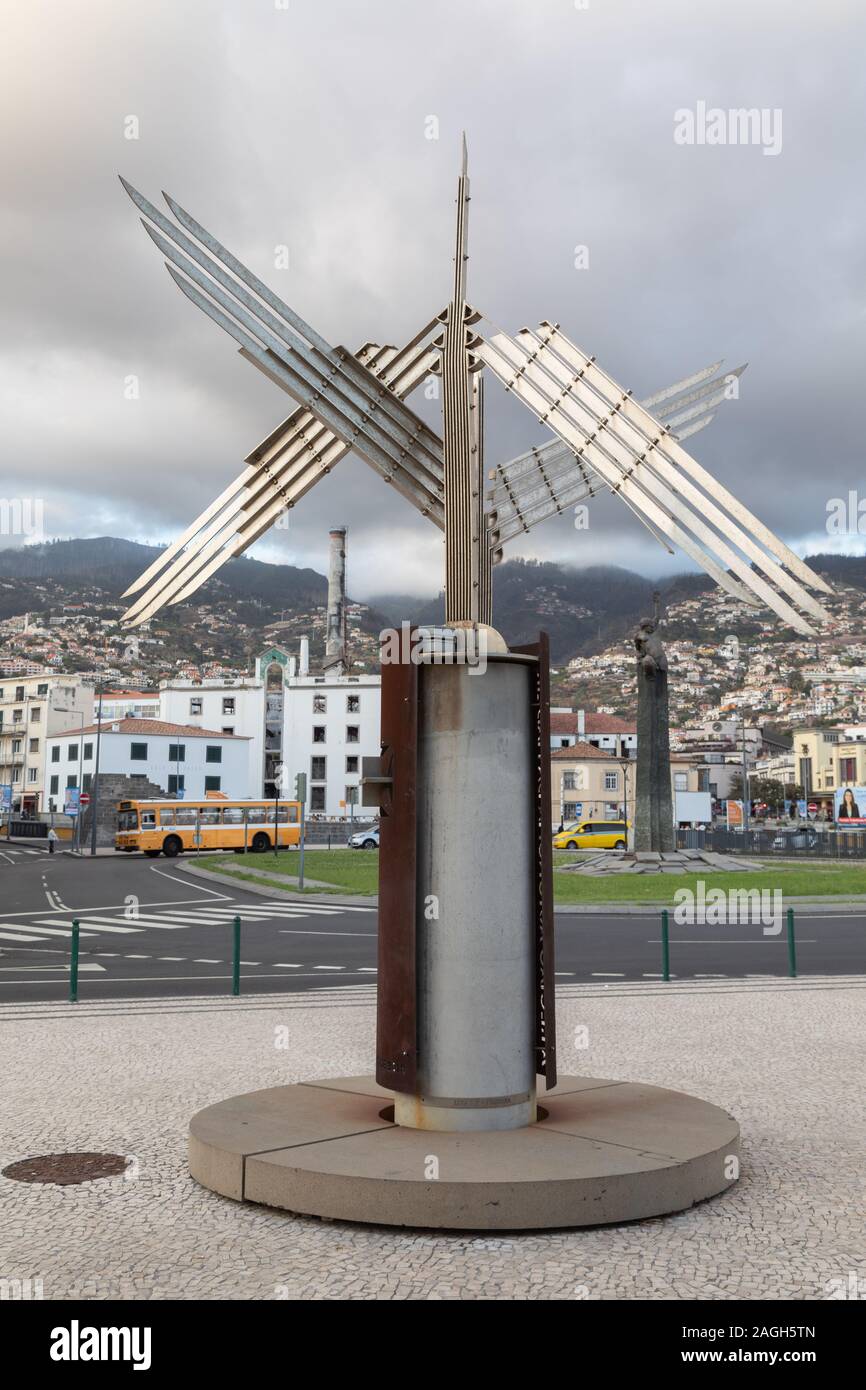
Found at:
<point>605,440</point>
<point>465,987</point>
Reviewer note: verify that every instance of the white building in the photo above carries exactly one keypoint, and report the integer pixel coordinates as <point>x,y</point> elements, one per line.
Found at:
<point>127,704</point>
<point>321,725</point>
<point>232,707</point>
<point>331,723</point>
<point>183,759</point>
<point>31,709</point>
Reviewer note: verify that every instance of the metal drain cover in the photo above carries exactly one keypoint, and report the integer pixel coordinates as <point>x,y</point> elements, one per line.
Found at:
<point>66,1169</point>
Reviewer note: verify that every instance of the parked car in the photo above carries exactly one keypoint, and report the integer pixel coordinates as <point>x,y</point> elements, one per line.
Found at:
<point>804,837</point>
<point>365,839</point>
<point>593,834</point>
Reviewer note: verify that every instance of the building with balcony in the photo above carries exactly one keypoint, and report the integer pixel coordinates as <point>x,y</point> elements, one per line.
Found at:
<point>32,709</point>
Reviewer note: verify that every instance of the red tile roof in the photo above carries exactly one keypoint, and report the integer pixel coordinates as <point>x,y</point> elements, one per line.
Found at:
<point>593,724</point>
<point>156,727</point>
<point>580,751</point>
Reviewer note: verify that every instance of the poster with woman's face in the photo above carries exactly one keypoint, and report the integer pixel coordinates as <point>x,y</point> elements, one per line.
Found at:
<point>850,806</point>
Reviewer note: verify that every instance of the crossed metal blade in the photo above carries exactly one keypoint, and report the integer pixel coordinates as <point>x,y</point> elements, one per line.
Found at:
<point>637,456</point>
<point>604,439</point>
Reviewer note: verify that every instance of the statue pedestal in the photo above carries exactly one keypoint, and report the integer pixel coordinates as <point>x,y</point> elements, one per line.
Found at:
<point>600,1152</point>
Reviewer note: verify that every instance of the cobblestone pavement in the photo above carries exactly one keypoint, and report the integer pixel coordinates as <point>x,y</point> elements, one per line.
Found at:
<point>785,1058</point>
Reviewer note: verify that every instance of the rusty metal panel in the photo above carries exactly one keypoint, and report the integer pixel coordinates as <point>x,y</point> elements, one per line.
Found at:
<point>396,1017</point>
<point>539,795</point>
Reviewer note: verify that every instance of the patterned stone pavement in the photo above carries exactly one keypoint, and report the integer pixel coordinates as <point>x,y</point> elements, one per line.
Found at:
<point>784,1057</point>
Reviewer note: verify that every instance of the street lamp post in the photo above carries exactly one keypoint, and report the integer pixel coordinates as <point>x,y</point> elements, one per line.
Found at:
<point>94,799</point>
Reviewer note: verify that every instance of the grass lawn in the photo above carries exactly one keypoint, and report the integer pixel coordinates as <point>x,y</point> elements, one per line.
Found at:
<point>349,871</point>
<point>357,872</point>
<point>794,881</point>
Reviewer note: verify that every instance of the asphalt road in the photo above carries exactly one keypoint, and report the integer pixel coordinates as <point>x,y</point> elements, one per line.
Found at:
<point>151,930</point>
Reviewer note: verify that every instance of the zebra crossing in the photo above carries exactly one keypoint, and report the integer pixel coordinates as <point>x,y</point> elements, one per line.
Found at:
<point>120,922</point>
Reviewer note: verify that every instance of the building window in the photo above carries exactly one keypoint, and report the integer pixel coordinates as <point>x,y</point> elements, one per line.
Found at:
<point>847,769</point>
<point>72,780</point>
<point>72,753</point>
<point>177,752</point>
<point>40,689</point>
<point>681,781</point>
<point>16,745</point>
<point>55,754</point>
<point>228,728</point>
<point>569,810</point>
<point>138,752</point>
<point>35,714</point>
<point>352,733</point>
<point>610,781</point>
<point>87,782</point>
<point>19,692</point>
<point>34,745</point>
<point>55,785</point>
<point>195,704</point>
<point>31,774</point>
<point>318,733</point>
<point>213,753</point>
<point>351,796</point>
<point>17,716</point>
<point>353,704</point>
<point>229,704</point>
<point>176,783</point>
<point>568,781</point>
<point>317,769</point>
<point>212,784</point>
<point>352,762</point>
<point>88,751</point>
<point>320,704</point>
<point>317,798</point>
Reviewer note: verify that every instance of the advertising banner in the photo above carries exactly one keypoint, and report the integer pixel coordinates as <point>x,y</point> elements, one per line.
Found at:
<point>850,807</point>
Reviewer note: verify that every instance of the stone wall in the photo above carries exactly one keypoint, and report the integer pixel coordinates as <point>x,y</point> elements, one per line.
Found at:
<point>108,790</point>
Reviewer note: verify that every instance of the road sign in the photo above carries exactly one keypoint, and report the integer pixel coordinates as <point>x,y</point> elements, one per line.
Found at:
<point>84,799</point>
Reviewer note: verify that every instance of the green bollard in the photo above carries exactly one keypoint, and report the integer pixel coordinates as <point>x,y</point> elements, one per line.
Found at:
<point>666,950</point>
<point>236,960</point>
<point>792,946</point>
<point>73,965</point>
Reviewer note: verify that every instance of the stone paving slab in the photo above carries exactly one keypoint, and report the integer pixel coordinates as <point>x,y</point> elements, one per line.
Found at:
<point>122,1077</point>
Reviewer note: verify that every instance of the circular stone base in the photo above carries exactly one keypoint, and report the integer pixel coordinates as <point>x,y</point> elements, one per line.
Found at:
<point>601,1151</point>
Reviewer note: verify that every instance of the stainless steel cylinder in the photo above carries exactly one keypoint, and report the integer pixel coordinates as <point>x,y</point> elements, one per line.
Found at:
<point>475,929</point>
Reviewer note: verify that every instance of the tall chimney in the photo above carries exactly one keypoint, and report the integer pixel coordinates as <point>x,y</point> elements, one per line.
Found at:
<point>304,658</point>
<point>335,624</point>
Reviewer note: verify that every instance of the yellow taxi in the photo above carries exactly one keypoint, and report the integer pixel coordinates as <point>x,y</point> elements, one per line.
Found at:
<point>593,834</point>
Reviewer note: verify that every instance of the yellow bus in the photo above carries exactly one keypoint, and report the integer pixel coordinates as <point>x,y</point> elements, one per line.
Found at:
<point>171,827</point>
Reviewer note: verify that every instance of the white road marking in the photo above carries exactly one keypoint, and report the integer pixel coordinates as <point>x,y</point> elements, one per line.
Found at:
<point>185,881</point>
<point>18,936</point>
<point>608,974</point>
<point>317,931</point>
<point>329,967</point>
<point>107,924</point>
<point>286,965</point>
<point>88,966</point>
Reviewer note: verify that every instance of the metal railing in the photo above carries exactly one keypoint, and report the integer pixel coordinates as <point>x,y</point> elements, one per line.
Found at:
<point>805,841</point>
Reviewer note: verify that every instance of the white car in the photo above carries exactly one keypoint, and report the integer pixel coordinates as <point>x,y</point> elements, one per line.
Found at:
<point>365,839</point>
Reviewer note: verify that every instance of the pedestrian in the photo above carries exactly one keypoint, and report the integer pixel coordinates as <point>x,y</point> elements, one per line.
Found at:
<point>52,839</point>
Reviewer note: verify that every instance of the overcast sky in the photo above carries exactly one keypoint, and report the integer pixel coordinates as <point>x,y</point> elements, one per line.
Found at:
<point>305,124</point>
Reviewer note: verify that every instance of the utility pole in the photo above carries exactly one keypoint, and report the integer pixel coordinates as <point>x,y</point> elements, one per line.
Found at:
<point>94,800</point>
<point>746,799</point>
